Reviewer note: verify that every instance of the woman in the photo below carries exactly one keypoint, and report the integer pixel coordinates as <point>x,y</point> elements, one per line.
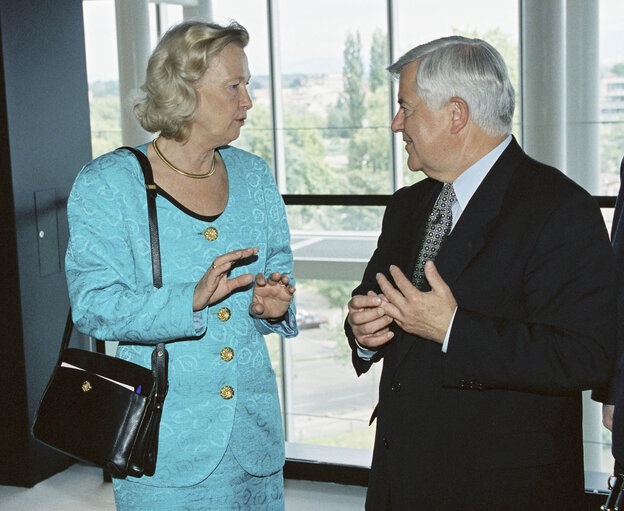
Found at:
<point>221,221</point>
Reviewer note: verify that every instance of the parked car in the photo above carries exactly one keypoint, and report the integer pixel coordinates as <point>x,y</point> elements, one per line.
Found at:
<point>306,320</point>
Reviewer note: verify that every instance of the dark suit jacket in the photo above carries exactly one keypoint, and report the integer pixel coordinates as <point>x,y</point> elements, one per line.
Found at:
<point>615,392</point>
<point>498,416</point>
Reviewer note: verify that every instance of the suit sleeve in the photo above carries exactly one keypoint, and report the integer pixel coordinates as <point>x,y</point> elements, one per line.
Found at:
<point>369,283</point>
<point>608,393</point>
<point>563,338</point>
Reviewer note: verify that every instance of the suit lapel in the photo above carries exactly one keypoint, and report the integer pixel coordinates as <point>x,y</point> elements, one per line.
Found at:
<point>478,219</point>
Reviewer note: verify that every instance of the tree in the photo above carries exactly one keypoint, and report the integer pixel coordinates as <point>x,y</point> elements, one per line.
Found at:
<point>337,120</point>
<point>618,69</point>
<point>611,147</point>
<point>352,75</point>
<point>378,76</point>
<point>105,117</point>
<point>256,136</point>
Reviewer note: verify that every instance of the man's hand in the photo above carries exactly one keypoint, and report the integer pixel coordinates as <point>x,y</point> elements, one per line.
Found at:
<point>368,320</point>
<point>607,416</point>
<point>428,314</point>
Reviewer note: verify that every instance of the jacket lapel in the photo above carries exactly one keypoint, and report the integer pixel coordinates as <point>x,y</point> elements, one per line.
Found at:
<point>478,219</point>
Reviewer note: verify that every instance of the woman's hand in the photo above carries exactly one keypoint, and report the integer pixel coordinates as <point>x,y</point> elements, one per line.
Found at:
<point>214,285</point>
<point>271,297</point>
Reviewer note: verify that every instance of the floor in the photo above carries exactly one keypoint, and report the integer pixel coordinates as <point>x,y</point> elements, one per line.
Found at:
<point>80,488</point>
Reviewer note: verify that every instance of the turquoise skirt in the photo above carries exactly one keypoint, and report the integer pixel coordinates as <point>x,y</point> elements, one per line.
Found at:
<point>228,488</point>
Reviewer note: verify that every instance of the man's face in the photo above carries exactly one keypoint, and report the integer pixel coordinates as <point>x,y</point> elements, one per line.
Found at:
<point>424,130</point>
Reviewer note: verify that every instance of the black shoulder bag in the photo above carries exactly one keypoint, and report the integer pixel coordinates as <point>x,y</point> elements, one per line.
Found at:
<point>104,410</point>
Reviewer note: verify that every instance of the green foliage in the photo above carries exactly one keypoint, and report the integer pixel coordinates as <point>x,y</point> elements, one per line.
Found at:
<point>611,147</point>
<point>358,127</point>
<point>257,137</point>
<point>618,69</point>
<point>337,293</point>
<point>378,76</point>
<point>105,117</point>
<point>353,75</point>
<point>337,120</point>
<point>369,150</point>
<point>308,172</point>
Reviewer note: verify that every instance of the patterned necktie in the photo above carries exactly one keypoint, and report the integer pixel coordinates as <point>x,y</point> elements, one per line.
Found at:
<point>436,231</point>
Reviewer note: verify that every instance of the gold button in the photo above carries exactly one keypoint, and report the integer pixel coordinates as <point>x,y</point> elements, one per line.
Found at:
<point>211,234</point>
<point>224,314</point>
<point>227,392</point>
<point>227,354</point>
<point>86,386</point>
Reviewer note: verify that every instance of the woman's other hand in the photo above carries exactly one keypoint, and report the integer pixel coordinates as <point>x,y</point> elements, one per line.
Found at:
<point>271,297</point>
<point>214,285</point>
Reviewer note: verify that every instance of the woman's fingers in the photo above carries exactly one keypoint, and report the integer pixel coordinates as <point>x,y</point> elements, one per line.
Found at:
<point>215,284</point>
<point>274,279</point>
<point>233,256</point>
<point>240,281</point>
<point>272,295</point>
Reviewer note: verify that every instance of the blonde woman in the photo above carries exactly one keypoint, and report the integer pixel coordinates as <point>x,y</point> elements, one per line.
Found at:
<point>226,264</point>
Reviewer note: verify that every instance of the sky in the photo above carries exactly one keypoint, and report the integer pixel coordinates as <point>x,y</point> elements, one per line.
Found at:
<point>312,34</point>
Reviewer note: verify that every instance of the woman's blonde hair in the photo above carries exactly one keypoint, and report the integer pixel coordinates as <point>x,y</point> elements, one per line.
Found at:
<point>168,103</point>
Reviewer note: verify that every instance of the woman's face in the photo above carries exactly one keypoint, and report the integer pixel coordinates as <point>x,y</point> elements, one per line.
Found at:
<point>222,98</point>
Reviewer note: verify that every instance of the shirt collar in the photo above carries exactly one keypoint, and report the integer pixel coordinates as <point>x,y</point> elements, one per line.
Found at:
<point>469,180</point>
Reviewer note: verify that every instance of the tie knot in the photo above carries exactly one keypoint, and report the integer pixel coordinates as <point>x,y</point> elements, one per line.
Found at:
<point>447,197</point>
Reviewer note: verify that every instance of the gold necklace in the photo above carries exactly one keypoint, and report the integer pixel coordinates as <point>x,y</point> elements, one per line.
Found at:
<point>213,166</point>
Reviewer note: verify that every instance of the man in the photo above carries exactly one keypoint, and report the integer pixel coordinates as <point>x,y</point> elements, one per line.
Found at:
<point>613,394</point>
<point>486,350</point>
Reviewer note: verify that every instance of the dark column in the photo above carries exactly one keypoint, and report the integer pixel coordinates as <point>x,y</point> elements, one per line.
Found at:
<point>44,141</point>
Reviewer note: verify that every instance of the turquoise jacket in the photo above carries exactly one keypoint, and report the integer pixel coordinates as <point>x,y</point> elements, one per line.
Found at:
<point>109,276</point>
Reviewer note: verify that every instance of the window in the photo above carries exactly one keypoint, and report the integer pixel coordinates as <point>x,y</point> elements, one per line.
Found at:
<point>495,21</point>
<point>611,97</point>
<point>103,76</point>
<point>323,104</point>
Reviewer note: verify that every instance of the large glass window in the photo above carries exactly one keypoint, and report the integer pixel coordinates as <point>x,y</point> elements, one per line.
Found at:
<point>335,96</point>
<point>102,74</point>
<point>323,104</point>
<point>611,95</point>
<point>257,135</point>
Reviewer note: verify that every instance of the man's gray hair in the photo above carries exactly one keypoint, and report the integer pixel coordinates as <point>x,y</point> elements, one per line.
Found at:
<point>471,69</point>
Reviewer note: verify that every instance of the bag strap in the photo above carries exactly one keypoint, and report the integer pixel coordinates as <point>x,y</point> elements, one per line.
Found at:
<point>160,356</point>
<point>150,189</point>
<point>69,325</point>
<point>160,370</point>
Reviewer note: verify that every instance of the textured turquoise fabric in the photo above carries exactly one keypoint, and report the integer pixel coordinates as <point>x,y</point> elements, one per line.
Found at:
<point>227,489</point>
<point>109,276</point>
